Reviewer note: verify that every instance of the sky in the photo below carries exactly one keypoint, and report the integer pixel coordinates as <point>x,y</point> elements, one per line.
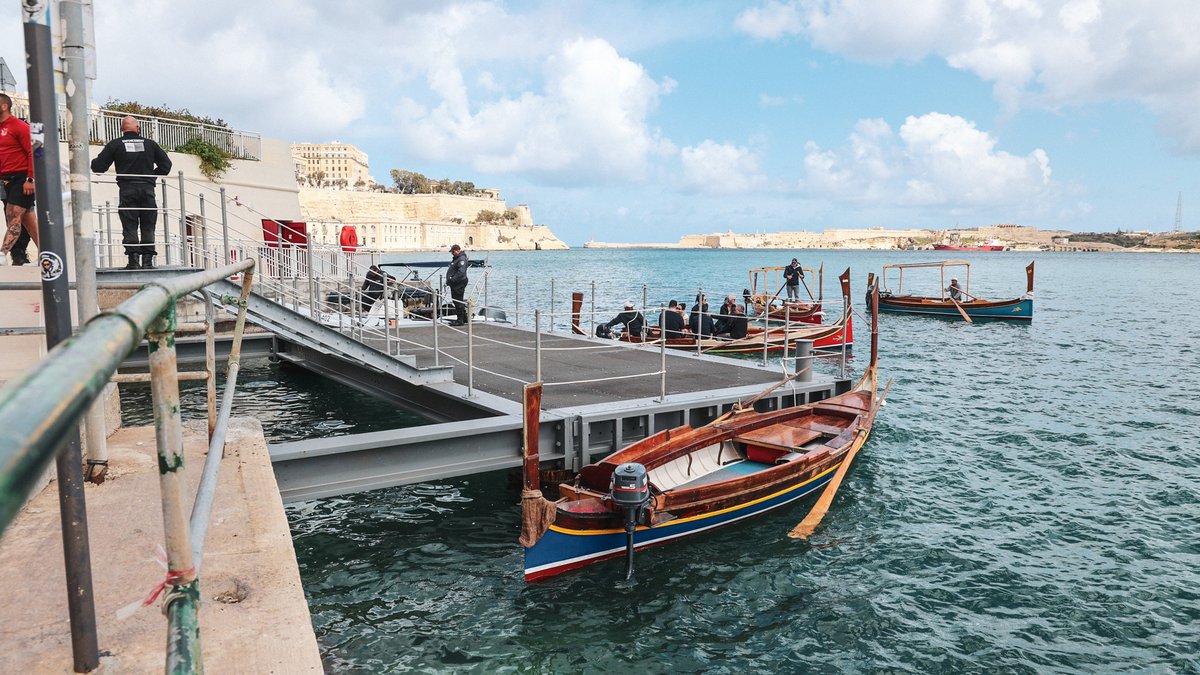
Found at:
<point>639,121</point>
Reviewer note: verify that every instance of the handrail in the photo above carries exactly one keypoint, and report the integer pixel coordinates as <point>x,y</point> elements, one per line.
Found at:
<point>38,409</point>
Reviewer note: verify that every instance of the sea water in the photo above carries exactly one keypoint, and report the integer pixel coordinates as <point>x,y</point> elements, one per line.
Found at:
<point>1028,502</point>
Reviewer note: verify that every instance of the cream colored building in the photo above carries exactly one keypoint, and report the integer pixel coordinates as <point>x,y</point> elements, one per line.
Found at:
<point>404,222</point>
<point>332,161</point>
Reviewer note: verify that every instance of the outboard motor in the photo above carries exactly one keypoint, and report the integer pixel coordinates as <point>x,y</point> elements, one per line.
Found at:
<point>603,331</point>
<point>631,492</point>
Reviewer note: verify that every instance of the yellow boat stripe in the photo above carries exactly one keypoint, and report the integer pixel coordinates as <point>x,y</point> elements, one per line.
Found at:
<point>680,521</point>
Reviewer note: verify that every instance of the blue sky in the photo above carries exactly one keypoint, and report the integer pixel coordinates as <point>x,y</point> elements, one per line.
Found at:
<point>642,121</point>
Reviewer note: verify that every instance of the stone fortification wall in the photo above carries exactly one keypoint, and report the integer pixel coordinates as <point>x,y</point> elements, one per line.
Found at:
<point>420,222</point>
<point>382,207</point>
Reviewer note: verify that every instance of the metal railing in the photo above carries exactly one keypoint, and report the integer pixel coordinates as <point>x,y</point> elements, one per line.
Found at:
<point>205,227</point>
<point>41,408</point>
<point>105,125</point>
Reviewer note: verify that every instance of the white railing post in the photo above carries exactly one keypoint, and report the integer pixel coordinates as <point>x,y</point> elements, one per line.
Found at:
<point>551,305</point>
<point>183,239</point>
<point>437,311</point>
<point>593,308</point>
<point>224,226</point>
<point>516,300</point>
<point>470,350</point>
<point>537,344</point>
<point>166,229</point>
<point>203,234</point>
<point>662,354</point>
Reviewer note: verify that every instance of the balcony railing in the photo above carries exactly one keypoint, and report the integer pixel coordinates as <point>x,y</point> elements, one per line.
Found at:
<point>105,125</point>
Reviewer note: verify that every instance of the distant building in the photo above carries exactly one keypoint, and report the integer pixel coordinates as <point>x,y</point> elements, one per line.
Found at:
<point>331,162</point>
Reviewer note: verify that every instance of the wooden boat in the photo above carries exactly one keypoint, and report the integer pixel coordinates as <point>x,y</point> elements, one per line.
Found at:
<point>1019,309</point>
<point>694,479</point>
<point>769,305</point>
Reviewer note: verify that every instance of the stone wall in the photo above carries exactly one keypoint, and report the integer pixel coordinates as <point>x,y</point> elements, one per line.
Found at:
<point>420,222</point>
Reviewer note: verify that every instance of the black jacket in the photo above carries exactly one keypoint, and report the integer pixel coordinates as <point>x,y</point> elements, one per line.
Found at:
<point>738,326</point>
<point>634,322</point>
<point>674,324</point>
<point>456,276</point>
<point>133,154</point>
<point>793,274</point>
<point>700,320</point>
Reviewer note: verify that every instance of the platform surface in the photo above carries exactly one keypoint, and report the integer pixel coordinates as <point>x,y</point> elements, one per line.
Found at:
<point>509,353</point>
<point>249,551</point>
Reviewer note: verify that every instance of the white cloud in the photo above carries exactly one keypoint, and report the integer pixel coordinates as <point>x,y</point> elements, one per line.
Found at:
<point>589,120</point>
<point>934,160</point>
<point>1047,53</point>
<point>720,168</point>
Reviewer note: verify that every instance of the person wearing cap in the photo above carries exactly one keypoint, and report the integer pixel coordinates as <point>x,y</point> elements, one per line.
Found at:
<point>456,279</point>
<point>955,291</point>
<point>792,274</point>
<point>634,322</point>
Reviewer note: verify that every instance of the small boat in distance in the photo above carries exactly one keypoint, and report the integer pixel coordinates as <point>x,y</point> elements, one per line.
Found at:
<point>991,245</point>
<point>970,307</point>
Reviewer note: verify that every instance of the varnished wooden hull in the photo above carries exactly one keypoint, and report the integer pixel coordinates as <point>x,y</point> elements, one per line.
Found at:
<point>588,529</point>
<point>1020,309</point>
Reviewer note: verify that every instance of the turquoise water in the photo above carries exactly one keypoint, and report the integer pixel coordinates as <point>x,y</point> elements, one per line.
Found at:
<point>1029,502</point>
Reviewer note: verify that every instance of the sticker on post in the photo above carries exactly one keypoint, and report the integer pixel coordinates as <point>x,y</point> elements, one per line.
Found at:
<point>52,265</point>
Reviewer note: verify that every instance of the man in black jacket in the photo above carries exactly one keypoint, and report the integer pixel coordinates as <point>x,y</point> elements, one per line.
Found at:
<point>634,322</point>
<point>700,321</point>
<point>138,161</point>
<point>372,288</point>
<point>672,323</point>
<point>456,279</point>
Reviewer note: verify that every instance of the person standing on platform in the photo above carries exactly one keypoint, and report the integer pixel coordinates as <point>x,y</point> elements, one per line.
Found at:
<point>456,279</point>
<point>138,161</point>
<point>792,274</point>
<point>16,172</point>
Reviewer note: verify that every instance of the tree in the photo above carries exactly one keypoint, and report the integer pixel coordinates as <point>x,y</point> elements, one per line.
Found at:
<point>487,216</point>
<point>409,182</point>
<point>511,215</point>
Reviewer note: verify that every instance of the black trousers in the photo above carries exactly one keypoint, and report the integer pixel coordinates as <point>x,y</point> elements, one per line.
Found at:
<point>138,214</point>
<point>457,293</point>
<point>20,249</point>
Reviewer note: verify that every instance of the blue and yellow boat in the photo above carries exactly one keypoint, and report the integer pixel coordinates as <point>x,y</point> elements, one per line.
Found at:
<point>686,480</point>
<point>954,301</point>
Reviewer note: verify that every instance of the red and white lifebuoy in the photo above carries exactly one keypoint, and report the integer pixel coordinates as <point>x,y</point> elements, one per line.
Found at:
<point>349,239</point>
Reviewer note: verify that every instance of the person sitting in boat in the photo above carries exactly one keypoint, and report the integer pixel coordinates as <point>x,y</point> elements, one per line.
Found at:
<point>725,316</point>
<point>738,323</point>
<point>750,305</point>
<point>955,291</point>
<point>673,323</point>
<point>372,288</point>
<point>634,322</point>
<point>700,321</point>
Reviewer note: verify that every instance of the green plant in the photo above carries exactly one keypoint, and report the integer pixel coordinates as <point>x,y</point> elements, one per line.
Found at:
<point>214,161</point>
<point>135,108</point>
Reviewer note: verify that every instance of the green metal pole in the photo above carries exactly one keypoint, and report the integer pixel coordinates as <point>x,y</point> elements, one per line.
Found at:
<point>183,595</point>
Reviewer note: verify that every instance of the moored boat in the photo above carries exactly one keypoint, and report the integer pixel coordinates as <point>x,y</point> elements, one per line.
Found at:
<point>970,307</point>
<point>687,480</point>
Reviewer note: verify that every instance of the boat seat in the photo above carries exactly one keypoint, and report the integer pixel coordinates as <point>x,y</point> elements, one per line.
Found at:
<point>768,444</point>
<point>691,466</point>
<point>837,407</point>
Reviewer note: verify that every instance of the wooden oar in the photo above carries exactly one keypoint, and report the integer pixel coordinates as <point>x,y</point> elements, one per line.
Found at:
<point>961,310</point>
<point>809,525</point>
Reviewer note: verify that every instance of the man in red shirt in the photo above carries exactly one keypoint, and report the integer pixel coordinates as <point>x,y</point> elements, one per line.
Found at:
<point>16,172</point>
